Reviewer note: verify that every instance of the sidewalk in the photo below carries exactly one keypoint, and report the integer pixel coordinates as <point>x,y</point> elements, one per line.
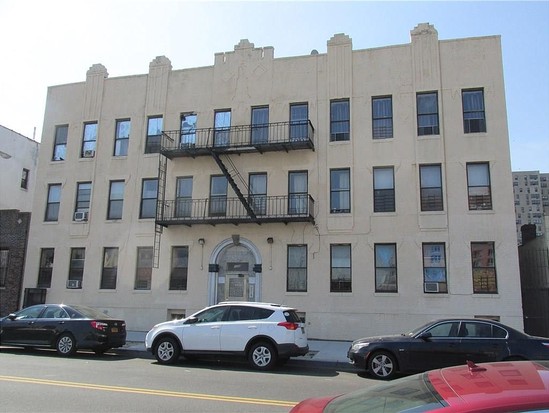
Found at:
<point>319,350</point>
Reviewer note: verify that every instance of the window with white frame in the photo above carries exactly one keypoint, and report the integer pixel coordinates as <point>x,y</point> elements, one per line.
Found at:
<point>218,195</point>
<point>382,117</point>
<point>474,118</point>
<point>53,202</point>
<point>478,186</point>
<point>116,200</point>
<point>434,268</point>
<point>299,121</point>
<point>76,268</point>
<point>386,268</point>
<point>340,268</point>
<point>154,134</point>
<point>89,140</point>
<point>258,192</point>
<point>430,182</point>
<point>183,196</point>
<point>384,189</point>
<point>484,268</point>
<point>188,130</point>
<point>222,127</point>
<point>260,124</point>
<point>149,193</point>
<point>340,191</point>
<point>60,143</point>
<point>427,113</point>
<point>298,192</point>
<point>297,268</point>
<point>122,137</point>
<point>340,120</point>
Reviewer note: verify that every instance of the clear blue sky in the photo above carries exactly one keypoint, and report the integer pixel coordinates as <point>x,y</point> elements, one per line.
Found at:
<point>50,42</point>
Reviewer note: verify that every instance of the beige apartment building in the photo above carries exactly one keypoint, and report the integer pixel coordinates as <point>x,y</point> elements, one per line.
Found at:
<point>371,189</point>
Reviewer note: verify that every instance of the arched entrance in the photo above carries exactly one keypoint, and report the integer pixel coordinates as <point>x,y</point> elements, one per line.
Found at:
<point>237,275</point>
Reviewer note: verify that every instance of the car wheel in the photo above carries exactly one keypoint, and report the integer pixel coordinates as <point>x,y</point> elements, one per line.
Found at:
<point>167,350</point>
<point>65,345</point>
<point>262,356</point>
<point>382,365</point>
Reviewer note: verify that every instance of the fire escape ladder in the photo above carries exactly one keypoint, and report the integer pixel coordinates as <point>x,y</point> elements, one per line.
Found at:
<point>160,205</point>
<point>231,175</point>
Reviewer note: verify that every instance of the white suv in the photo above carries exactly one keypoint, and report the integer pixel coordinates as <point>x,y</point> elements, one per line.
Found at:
<point>267,334</point>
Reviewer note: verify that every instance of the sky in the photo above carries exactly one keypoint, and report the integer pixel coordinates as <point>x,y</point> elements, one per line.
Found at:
<point>46,43</point>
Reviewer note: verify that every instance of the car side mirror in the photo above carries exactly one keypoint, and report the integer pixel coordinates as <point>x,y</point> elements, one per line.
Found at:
<point>425,336</point>
<point>191,320</point>
<point>12,316</point>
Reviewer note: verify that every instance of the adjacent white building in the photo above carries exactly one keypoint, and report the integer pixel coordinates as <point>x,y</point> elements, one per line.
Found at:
<point>531,192</point>
<point>371,189</point>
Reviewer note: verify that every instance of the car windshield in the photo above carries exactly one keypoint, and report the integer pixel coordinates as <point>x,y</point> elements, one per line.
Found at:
<point>417,330</point>
<point>410,394</point>
<point>86,312</point>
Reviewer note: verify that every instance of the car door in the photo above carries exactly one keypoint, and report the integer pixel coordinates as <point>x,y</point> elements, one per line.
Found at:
<point>243,323</point>
<point>434,347</point>
<point>203,334</point>
<point>50,323</point>
<point>20,328</point>
<point>480,342</point>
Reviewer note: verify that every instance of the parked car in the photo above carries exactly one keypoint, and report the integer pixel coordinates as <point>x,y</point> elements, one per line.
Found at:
<point>66,328</point>
<point>445,343</point>
<point>267,334</point>
<point>487,387</point>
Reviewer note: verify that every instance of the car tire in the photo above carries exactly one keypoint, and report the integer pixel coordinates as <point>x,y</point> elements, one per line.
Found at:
<point>262,356</point>
<point>382,365</point>
<point>167,350</point>
<point>65,345</point>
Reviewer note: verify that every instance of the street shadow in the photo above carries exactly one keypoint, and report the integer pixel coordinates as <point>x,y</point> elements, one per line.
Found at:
<point>111,355</point>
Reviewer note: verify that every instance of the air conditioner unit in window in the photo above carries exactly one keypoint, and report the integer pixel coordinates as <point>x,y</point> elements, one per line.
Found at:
<point>431,287</point>
<point>81,216</point>
<point>89,153</point>
<point>74,284</point>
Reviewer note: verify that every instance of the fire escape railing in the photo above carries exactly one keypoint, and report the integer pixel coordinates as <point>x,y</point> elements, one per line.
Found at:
<point>244,138</point>
<point>292,208</point>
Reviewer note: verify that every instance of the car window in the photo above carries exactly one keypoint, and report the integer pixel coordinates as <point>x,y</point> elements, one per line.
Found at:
<point>30,312</point>
<point>478,330</point>
<point>242,313</point>
<point>54,312</point>
<point>444,330</point>
<point>292,317</point>
<point>498,332</point>
<point>211,315</point>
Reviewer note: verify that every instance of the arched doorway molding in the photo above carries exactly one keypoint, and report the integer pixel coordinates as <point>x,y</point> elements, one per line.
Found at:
<point>214,259</point>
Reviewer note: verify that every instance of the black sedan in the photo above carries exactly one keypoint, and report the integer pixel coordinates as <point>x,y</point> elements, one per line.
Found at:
<point>66,328</point>
<point>444,343</point>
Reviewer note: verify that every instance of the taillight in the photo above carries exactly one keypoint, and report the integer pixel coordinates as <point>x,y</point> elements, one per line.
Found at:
<point>98,325</point>
<point>288,325</point>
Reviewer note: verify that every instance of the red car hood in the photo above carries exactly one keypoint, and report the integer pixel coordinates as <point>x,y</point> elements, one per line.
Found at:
<point>315,405</point>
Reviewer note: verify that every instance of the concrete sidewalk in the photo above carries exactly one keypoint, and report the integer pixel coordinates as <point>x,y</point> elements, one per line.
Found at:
<point>319,350</point>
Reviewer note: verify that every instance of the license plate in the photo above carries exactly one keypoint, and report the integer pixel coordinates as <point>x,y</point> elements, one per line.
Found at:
<point>114,330</point>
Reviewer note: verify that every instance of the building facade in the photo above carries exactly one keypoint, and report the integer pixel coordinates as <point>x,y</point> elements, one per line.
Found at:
<point>18,162</point>
<point>531,192</point>
<point>370,189</point>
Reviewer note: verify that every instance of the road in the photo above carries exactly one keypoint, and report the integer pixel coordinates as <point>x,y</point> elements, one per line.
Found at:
<point>129,381</point>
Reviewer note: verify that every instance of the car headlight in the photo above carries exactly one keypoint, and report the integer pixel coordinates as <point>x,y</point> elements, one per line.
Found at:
<point>358,346</point>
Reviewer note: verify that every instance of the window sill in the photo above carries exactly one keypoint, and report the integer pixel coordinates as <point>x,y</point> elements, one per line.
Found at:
<point>178,292</point>
<point>142,291</point>
<point>387,294</point>
<point>481,211</point>
<point>107,291</point>
<point>297,293</point>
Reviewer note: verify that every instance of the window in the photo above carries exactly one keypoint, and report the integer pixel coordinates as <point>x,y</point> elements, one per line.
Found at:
<point>116,200</point>
<point>60,145</point>
<point>54,200</point>
<point>110,269</point>
<point>260,125</point>
<point>427,114</point>
<point>89,140</point>
<point>143,273</point>
<point>180,267</point>
<point>430,182</point>
<point>83,196</point>
<point>339,120</point>
<point>76,268</point>
<point>384,189</point>
<point>484,268</point>
<point>188,130</point>
<point>340,191</point>
<point>478,186</point>
<point>148,198</point>
<point>382,117</point>
<point>258,193</point>
<point>183,196</point>
<point>122,137</point>
<point>222,128</point>
<point>4,255</point>
<point>299,121</point>
<point>386,268</point>
<point>218,195</point>
<point>340,268</point>
<point>473,111</point>
<point>154,134</point>
<point>298,192</point>
<point>434,268</point>
<point>25,178</point>
<point>46,268</point>
<point>297,268</point>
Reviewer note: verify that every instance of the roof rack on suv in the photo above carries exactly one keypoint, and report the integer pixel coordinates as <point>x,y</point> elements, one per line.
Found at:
<point>251,303</point>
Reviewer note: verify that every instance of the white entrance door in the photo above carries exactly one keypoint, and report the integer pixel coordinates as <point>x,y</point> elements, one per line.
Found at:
<point>237,287</point>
